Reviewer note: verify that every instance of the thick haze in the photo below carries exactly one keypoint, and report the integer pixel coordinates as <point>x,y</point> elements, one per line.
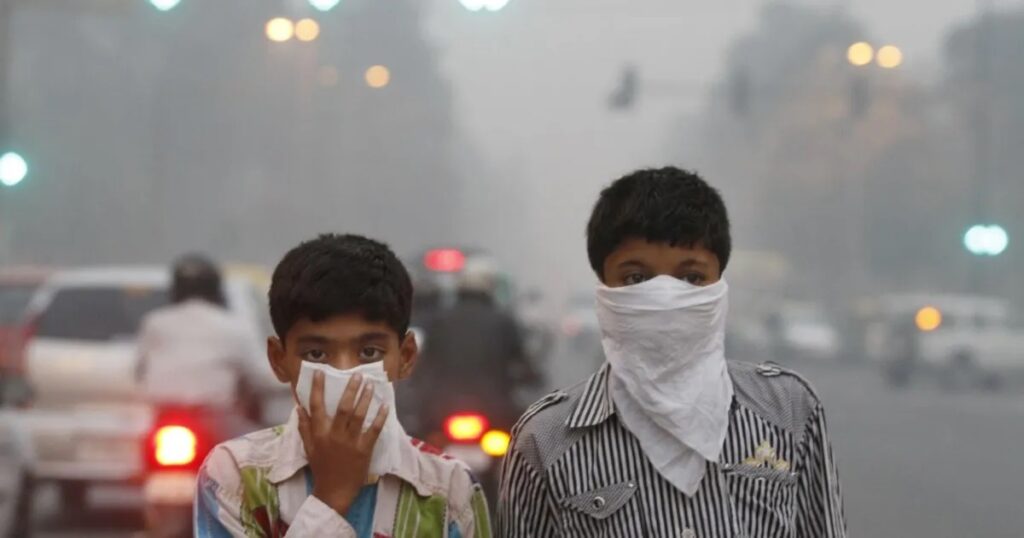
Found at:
<point>529,140</point>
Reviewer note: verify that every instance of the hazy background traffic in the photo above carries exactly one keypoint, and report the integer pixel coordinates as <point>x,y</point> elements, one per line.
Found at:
<point>857,144</point>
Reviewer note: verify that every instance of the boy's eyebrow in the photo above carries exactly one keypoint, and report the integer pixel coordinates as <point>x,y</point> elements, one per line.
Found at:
<point>690,262</point>
<point>634,263</point>
<point>315,339</point>
<point>373,337</point>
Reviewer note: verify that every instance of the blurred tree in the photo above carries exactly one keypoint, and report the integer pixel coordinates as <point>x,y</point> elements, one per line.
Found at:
<point>189,129</point>
<point>984,83</point>
<point>842,169</point>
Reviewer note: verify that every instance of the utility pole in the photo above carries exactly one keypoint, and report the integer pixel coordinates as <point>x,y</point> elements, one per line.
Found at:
<point>982,119</point>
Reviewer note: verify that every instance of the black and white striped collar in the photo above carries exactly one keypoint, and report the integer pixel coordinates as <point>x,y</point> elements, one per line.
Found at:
<point>595,404</point>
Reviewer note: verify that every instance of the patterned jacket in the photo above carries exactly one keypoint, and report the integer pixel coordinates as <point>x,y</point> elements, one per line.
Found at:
<point>259,485</point>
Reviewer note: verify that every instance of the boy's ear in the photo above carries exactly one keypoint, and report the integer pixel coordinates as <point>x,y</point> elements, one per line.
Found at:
<point>410,354</point>
<point>276,356</point>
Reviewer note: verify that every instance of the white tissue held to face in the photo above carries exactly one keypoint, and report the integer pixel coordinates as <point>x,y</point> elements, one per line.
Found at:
<point>386,451</point>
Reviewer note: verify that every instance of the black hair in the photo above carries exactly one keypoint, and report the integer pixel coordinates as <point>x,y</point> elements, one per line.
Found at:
<point>660,205</point>
<point>195,276</point>
<point>340,274</point>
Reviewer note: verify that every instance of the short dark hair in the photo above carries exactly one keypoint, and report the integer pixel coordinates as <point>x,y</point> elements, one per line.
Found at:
<point>340,274</point>
<point>194,276</point>
<point>660,205</point>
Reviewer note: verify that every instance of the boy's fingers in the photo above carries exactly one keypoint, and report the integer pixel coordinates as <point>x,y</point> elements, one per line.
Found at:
<point>348,398</point>
<point>316,398</point>
<point>370,436</point>
<point>355,424</point>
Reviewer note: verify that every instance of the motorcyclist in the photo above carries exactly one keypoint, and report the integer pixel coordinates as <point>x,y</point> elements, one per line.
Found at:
<point>476,348</point>
<point>195,352</point>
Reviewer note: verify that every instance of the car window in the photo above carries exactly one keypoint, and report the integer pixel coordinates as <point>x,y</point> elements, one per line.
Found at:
<point>99,313</point>
<point>13,300</point>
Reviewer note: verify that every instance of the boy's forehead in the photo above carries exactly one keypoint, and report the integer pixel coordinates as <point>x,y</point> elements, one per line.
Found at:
<point>341,327</point>
<point>638,246</point>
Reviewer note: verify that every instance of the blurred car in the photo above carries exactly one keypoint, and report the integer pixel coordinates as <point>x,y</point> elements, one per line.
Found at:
<point>958,339</point>
<point>17,286</point>
<point>16,483</point>
<point>89,422</point>
<point>792,330</point>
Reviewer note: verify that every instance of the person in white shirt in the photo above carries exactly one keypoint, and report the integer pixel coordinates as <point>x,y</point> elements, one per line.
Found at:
<point>196,352</point>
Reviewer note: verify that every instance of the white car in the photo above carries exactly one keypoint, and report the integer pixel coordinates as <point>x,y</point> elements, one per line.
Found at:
<point>89,419</point>
<point>957,337</point>
<point>15,477</point>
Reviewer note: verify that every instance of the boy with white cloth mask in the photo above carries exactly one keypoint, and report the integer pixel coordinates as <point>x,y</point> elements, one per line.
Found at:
<point>342,466</point>
<point>668,439</point>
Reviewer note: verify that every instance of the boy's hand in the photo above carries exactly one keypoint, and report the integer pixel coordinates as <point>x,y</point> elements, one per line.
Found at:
<point>338,449</point>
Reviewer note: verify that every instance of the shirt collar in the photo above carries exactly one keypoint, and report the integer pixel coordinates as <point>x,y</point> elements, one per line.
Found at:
<point>290,458</point>
<point>595,404</point>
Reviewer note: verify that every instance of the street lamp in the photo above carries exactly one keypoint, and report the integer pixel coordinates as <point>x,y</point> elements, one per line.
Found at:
<point>280,29</point>
<point>324,5</point>
<point>489,5</point>
<point>889,57</point>
<point>13,169</point>
<point>860,53</point>
<point>986,240</point>
<point>165,5</point>
<point>378,76</point>
<point>307,30</point>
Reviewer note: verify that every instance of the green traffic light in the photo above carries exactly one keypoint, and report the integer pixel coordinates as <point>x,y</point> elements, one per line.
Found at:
<point>986,240</point>
<point>13,169</point>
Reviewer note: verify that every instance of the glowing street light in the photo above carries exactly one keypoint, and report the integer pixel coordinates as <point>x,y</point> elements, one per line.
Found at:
<point>324,5</point>
<point>479,5</point>
<point>890,57</point>
<point>280,29</point>
<point>860,54</point>
<point>165,5</point>
<point>378,77</point>
<point>307,30</point>
<point>982,240</point>
<point>13,169</point>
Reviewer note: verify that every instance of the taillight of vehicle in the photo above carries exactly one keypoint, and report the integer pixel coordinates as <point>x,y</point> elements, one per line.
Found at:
<point>177,441</point>
<point>174,446</point>
<point>495,443</point>
<point>465,427</point>
<point>445,260</point>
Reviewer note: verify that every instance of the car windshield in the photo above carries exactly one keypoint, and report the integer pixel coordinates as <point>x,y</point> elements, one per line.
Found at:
<point>99,313</point>
<point>13,300</point>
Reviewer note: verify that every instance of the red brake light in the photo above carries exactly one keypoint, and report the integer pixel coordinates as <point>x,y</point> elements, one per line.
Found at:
<point>174,446</point>
<point>465,427</point>
<point>445,260</point>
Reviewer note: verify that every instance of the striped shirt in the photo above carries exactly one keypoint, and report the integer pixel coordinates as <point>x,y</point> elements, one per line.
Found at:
<point>575,471</point>
<point>260,486</point>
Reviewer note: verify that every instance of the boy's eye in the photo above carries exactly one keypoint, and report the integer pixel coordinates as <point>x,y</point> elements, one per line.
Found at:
<point>696,279</point>
<point>371,354</point>
<point>634,278</point>
<point>314,355</point>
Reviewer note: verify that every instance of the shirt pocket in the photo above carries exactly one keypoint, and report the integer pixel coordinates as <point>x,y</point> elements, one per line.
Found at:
<point>763,499</point>
<point>602,512</point>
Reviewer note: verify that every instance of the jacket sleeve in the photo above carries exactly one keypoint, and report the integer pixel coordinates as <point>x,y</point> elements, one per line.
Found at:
<point>524,500</point>
<point>820,504</point>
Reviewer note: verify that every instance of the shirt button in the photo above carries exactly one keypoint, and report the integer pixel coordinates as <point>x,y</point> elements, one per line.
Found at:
<point>688,533</point>
<point>598,503</point>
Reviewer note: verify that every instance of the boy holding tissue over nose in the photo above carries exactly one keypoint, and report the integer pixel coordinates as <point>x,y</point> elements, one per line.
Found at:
<point>342,466</point>
<point>668,439</point>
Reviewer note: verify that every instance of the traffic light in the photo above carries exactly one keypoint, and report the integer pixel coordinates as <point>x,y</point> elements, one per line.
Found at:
<point>13,169</point>
<point>324,5</point>
<point>986,240</point>
<point>165,5</point>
